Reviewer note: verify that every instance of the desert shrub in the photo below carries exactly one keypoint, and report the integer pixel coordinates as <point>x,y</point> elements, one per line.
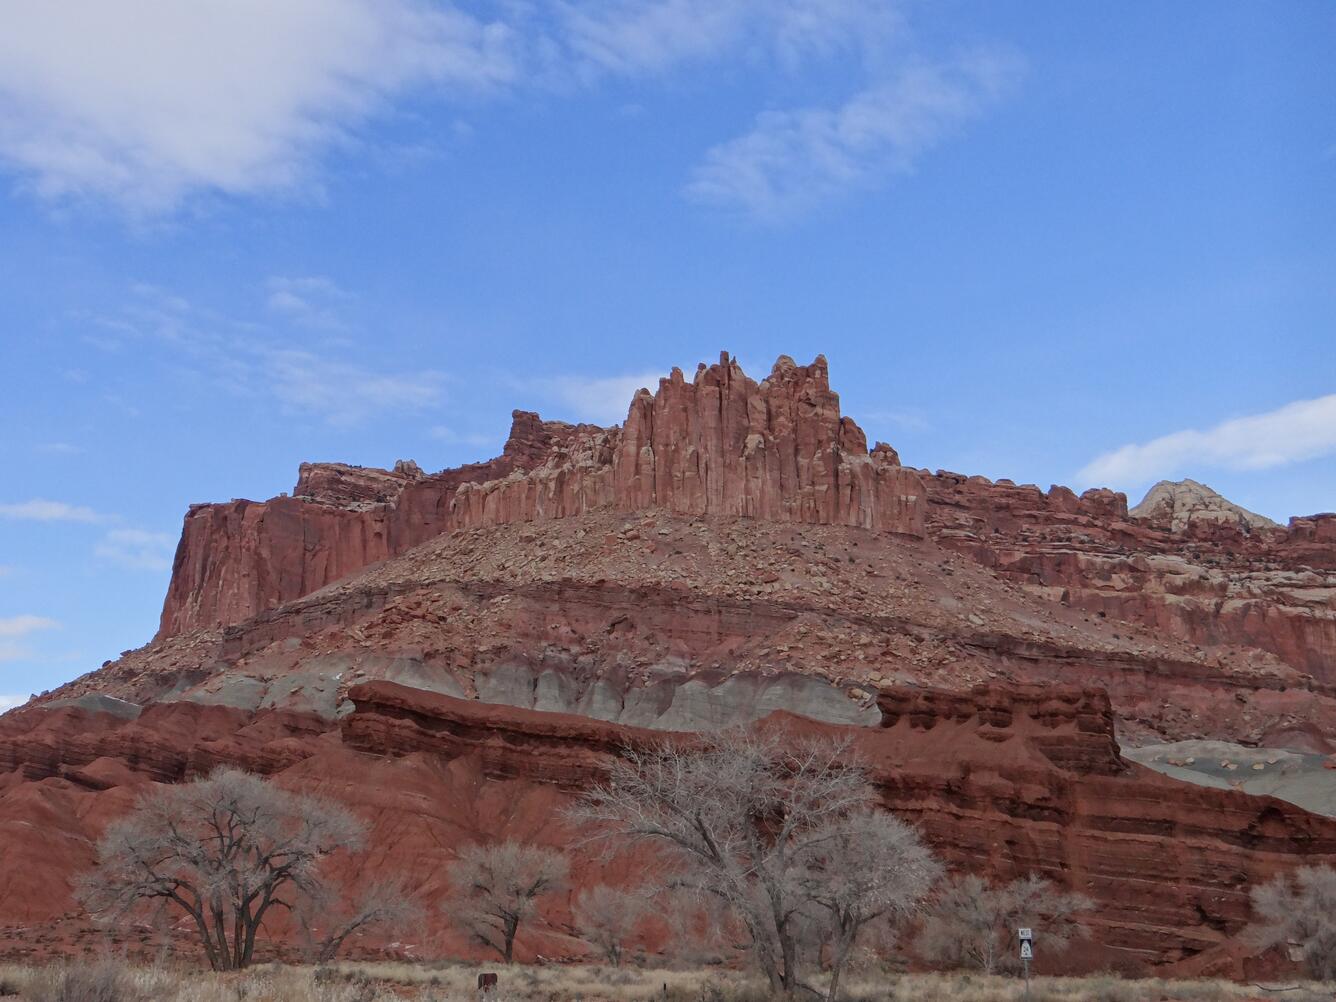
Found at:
<point>1299,910</point>
<point>1107,989</point>
<point>103,981</point>
<point>973,924</point>
<point>497,887</point>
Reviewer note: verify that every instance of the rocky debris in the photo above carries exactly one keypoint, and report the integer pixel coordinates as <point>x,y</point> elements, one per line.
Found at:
<point>356,488</point>
<point>1303,779</point>
<point>1179,504</point>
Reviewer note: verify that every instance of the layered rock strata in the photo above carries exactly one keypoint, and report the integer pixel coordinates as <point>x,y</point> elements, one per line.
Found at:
<point>721,444</point>
<point>1003,780</point>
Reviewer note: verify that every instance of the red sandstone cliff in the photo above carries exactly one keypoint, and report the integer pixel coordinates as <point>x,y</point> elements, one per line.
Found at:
<point>1002,780</point>
<point>732,549</point>
<point>779,450</point>
<point>720,444</point>
<point>240,557</point>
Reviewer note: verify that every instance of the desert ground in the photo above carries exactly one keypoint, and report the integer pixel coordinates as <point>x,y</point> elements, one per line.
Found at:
<point>110,981</point>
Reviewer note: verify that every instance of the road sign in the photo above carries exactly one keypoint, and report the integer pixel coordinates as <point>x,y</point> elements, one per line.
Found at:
<point>1027,950</point>
<point>1025,934</point>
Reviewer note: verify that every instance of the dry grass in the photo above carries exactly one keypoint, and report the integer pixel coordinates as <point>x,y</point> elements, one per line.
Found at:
<point>384,982</point>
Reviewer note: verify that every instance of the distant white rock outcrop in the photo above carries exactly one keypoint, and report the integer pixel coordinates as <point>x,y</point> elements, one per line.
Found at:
<point>1176,504</point>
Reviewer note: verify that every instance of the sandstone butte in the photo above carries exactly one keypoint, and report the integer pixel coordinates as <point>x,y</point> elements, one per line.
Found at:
<point>457,654</point>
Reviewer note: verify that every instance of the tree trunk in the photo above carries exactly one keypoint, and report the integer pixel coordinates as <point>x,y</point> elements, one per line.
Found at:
<point>789,954</point>
<point>508,931</point>
<point>844,942</point>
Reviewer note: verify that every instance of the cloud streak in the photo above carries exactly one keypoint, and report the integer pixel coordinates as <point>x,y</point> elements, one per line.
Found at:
<point>146,102</point>
<point>638,38</point>
<point>151,104</point>
<point>1298,431</point>
<point>41,510</point>
<point>600,399</point>
<point>17,628</point>
<point>21,626</point>
<point>137,549</point>
<point>246,359</point>
<point>791,161</point>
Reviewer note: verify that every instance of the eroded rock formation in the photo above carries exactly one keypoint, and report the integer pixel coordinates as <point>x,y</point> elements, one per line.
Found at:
<point>456,653</point>
<point>721,444</point>
<point>1178,505</point>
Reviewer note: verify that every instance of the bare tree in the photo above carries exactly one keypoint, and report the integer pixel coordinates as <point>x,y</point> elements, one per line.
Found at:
<point>1299,909</point>
<point>497,887</point>
<point>740,816</point>
<point>225,850</point>
<point>328,920</point>
<point>861,867</point>
<point>974,924</point>
<point>606,917</point>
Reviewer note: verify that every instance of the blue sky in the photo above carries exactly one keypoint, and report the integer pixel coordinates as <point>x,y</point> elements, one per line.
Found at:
<point>1062,243</point>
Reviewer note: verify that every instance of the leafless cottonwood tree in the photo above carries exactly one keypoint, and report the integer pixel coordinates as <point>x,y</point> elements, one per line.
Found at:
<point>329,919</point>
<point>744,817</point>
<point>973,924</point>
<point>225,849</point>
<point>1299,909</point>
<point>496,887</point>
<point>862,867</point>
<point>607,917</point>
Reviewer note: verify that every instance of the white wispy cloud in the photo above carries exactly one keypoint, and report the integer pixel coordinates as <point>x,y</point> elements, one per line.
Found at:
<point>641,37</point>
<point>146,102</point>
<point>57,448</point>
<point>1298,431</point>
<point>908,419</point>
<point>311,300</point>
<point>9,700</point>
<point>792,160</point>
<point>599,399</point>
<point>244,358</point>
<point>21,626</point>
<point>443,433</point>
<point>15,629</point>
<point>137,548</point>
<point>41,510</point>
<point>341,392</point>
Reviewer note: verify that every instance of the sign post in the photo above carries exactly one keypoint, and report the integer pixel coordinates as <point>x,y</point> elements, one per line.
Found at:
<point>1026,936</point>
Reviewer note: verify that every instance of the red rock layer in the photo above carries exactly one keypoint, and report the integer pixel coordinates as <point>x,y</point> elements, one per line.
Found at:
<point>1214,584</point>
<point>242,557</point>
<point>1002,780</point>
<point>721,444</point>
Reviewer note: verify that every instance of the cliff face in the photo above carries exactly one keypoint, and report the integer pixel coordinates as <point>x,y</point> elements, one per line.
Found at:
<point>1216,581</point>
<point>240,557</point>
<point>1003,780</point>
<point>485,637</point>
<point>1179,505</point>
<point>722,444</point>
<point>1185,562</point>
